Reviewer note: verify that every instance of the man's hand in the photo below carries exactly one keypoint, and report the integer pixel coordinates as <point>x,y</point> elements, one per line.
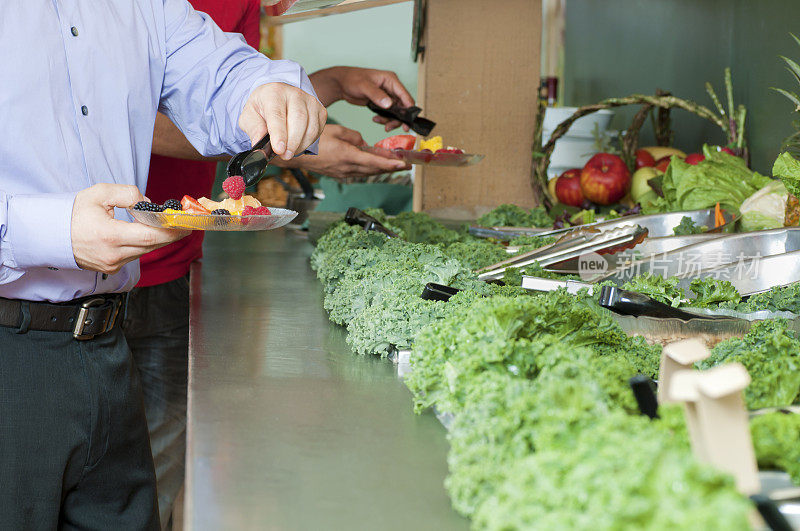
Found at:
<point>293,118</point>
<point>340,158</point>
<point>102,243</point>
<point>360,85</point>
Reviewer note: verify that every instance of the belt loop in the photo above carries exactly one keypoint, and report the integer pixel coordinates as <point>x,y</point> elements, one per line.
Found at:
<point>25,310</point>
<point>124,310</point>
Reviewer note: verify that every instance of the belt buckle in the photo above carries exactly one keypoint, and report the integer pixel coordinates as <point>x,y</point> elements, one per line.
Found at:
<point>83,313</point>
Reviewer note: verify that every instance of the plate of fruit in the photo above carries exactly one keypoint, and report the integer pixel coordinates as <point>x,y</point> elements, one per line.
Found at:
<point>432,151</point>
<point>238,212</point>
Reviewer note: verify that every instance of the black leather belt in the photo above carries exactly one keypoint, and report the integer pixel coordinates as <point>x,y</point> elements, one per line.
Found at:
<point>85,318</point>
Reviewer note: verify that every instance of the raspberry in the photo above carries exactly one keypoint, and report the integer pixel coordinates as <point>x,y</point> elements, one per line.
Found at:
<point>174,204</point>
<point>255,211</point>
<point>147,206</point>
<point>234,186</point>
<point>220,212</point>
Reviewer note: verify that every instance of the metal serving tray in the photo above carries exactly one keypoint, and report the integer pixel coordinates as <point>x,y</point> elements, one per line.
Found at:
<point>658,225</point>
<point>663,331</point>
<point>714,253</point>
<point>755,275</point>
<point>646,249</point>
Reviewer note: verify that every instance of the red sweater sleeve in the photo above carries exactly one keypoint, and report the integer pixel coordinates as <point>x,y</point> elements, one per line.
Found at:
<point>250,23</point>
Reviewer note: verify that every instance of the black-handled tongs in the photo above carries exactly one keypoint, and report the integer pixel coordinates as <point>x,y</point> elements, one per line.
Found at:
<point>438,292</point>
<point>644,391</point>
<point>637,304</point>
<point>407,115</point>
<point>251,164</point>
<point>355,216</point>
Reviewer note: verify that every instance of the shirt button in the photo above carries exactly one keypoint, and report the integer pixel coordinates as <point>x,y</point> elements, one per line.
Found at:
<point>74,31</point>
<point>85,110</point>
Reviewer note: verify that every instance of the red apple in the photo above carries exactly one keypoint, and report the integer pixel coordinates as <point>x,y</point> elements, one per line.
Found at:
<point>605,179</point>
<point>644,159</point>
<point>727,150</point>
<point>662,163</point>
<point>568,188</point>
<point>694,158</point>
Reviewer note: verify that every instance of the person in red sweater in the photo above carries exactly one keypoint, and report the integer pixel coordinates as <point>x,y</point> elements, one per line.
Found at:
<point>157,319</point>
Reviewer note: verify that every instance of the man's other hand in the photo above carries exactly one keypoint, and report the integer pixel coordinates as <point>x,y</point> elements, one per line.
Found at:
<point>340,157</point>
<point>293,118</point>
<point>361,85</point>
<point>102,243</point>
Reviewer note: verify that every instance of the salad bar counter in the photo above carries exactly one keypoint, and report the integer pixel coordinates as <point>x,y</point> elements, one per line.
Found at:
<point>287,429</point>
<point>545,380</point>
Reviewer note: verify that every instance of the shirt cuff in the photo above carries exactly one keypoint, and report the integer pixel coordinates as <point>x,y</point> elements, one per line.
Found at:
<point>40,230</point>
<point>282,71</point>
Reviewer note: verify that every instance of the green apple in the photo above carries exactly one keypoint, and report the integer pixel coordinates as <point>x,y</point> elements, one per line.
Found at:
<point>639,185</point>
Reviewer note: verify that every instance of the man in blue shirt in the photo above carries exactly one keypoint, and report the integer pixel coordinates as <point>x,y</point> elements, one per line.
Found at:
<point>83,80</point>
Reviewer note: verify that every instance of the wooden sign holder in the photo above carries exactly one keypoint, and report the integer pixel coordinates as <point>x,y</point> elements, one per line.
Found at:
<point>718,421</point>
<point>678,356</point>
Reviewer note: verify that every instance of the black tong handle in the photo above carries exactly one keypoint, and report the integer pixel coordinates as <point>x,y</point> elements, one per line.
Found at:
<point>236,166</point>
<point>438,292</point>
<point>632,303</point>
<point>262,143</point>
<point>355,216</point>
<point>407,115</point>
<point>644,391</point>
<point>770,513</point>
<point>305,184</point>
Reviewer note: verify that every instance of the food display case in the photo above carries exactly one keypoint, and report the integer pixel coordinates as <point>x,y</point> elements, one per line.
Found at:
<point>566,366</point>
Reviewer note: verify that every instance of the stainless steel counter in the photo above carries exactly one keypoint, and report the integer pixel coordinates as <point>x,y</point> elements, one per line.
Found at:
<point>287,428</point>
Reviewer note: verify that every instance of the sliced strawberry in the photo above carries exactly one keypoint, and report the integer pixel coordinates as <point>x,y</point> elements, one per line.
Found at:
<point>190,205</point>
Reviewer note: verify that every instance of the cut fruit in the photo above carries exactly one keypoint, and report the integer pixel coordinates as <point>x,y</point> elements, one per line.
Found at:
<point>398,142</point>
<point>432,144</point>
<point>192,206</point>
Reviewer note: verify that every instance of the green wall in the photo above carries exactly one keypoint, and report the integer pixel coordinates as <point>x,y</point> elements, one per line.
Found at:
<point>619,47</point>
<point>375,38</point>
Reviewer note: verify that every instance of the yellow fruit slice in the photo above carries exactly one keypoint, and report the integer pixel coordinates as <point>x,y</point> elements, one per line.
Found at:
<point>434,144</point>
<point>237,205</point>
<point>209,204</point>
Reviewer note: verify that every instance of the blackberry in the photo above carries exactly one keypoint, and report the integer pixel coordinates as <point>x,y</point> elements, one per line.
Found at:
<point>221,212</point>
<point>146,206</point>
<point>174,204</point>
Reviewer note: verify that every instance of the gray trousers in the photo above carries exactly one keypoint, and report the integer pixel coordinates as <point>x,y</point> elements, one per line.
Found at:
<point>74,452</point>
<point>157,330</point>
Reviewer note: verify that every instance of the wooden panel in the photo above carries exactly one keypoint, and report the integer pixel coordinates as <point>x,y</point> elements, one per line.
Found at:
<point>478,80</point>
<point>347,6</point>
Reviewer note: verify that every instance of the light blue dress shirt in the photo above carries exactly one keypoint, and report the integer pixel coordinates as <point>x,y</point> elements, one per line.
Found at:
<point>81,83</point>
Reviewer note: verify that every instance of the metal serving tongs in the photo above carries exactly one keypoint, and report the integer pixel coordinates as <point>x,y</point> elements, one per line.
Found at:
<point>509,233</point>
<point>251,164</point>
<point>637,304</point>
<point>355,216</point>
<point>572,245</point>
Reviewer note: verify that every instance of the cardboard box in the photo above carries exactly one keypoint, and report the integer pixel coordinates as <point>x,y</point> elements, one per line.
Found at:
<point>478,80</point>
